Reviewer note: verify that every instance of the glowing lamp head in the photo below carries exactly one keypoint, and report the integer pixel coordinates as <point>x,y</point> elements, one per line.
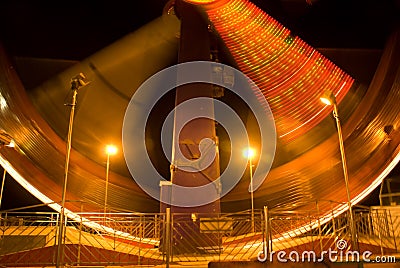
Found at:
<point>328,98</point>
<point>11,144</point>
<point>111,149</point>
<point>325,101</point>
<point>249,153</point>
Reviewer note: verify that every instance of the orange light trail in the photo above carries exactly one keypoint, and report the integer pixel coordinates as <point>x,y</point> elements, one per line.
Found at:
<point>291,74</point>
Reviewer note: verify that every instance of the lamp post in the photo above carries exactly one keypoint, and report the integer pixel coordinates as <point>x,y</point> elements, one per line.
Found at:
<point>110,150</point>
<point>249,154</point>
<point>2,186</point>
<point>76,83</point>
<point>7,143</point>
<point>329,99</point>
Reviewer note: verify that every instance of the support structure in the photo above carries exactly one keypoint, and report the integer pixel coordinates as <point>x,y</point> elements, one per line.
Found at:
<point>195,45</point>
<point>251,194</point>
<point>76,83</point>
<point>346,177</point>
<point>329,99</point>
<point>2,186</point>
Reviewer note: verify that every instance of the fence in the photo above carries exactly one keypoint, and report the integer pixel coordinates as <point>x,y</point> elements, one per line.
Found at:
<point>113,239</point>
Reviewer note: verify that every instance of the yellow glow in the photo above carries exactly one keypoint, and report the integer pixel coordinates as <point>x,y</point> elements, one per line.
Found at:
<point>11,144</point>
<point>249,153</point>
<point>111,149</point>
<point>326,100</point>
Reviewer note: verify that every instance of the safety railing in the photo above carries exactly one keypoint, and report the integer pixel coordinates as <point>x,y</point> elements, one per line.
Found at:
<point>23,234</point>
<point>114,239</point>
<point>216,237</point>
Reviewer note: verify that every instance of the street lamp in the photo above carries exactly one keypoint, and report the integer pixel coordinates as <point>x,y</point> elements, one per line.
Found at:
<point>77,82</point>
<point>110,150</point>
<point>329,98</point>
<point>2,185</point>
<point>249,154</point>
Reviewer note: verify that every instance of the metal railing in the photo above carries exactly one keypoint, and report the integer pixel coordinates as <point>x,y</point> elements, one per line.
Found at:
<point>113,239</point>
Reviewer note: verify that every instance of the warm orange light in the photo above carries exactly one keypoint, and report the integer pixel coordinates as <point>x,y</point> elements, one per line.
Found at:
<point>328,98</point>
<point>249,153</point>
<point>290,73</point>
<point>11,144</point>
<point>111,149</point>
<point>326,101</point>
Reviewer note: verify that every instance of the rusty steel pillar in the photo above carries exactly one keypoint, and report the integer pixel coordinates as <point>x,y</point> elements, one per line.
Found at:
<point>195,45</point>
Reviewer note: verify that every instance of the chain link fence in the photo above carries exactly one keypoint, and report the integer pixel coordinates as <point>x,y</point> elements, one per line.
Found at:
<point>119,239</point>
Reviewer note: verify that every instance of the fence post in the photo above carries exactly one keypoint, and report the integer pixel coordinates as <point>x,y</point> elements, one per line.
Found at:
<point>370,232</point>
<point>3,223</point>
<point>56,230</point>
<point>140,238</point>
<point>168,236</point>
<point>80,240</point>
<point>319,228</point>
<point>267,230</point>
<point>156,226</point>
<point>263,233</point>
<point>380,230</point>
<point>219,237</point>
<point>393,233</point>
<point>333,220</point>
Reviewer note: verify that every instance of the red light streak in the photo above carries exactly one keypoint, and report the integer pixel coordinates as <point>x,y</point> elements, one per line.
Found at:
<point>291,74</point>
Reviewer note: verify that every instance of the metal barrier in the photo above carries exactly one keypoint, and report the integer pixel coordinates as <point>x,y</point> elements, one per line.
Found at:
<point>117,239</point>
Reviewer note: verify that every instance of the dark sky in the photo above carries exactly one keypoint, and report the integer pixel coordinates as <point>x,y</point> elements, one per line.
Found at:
<point>15,196</point>
<point>71,29</point>
<point>76,29</point>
